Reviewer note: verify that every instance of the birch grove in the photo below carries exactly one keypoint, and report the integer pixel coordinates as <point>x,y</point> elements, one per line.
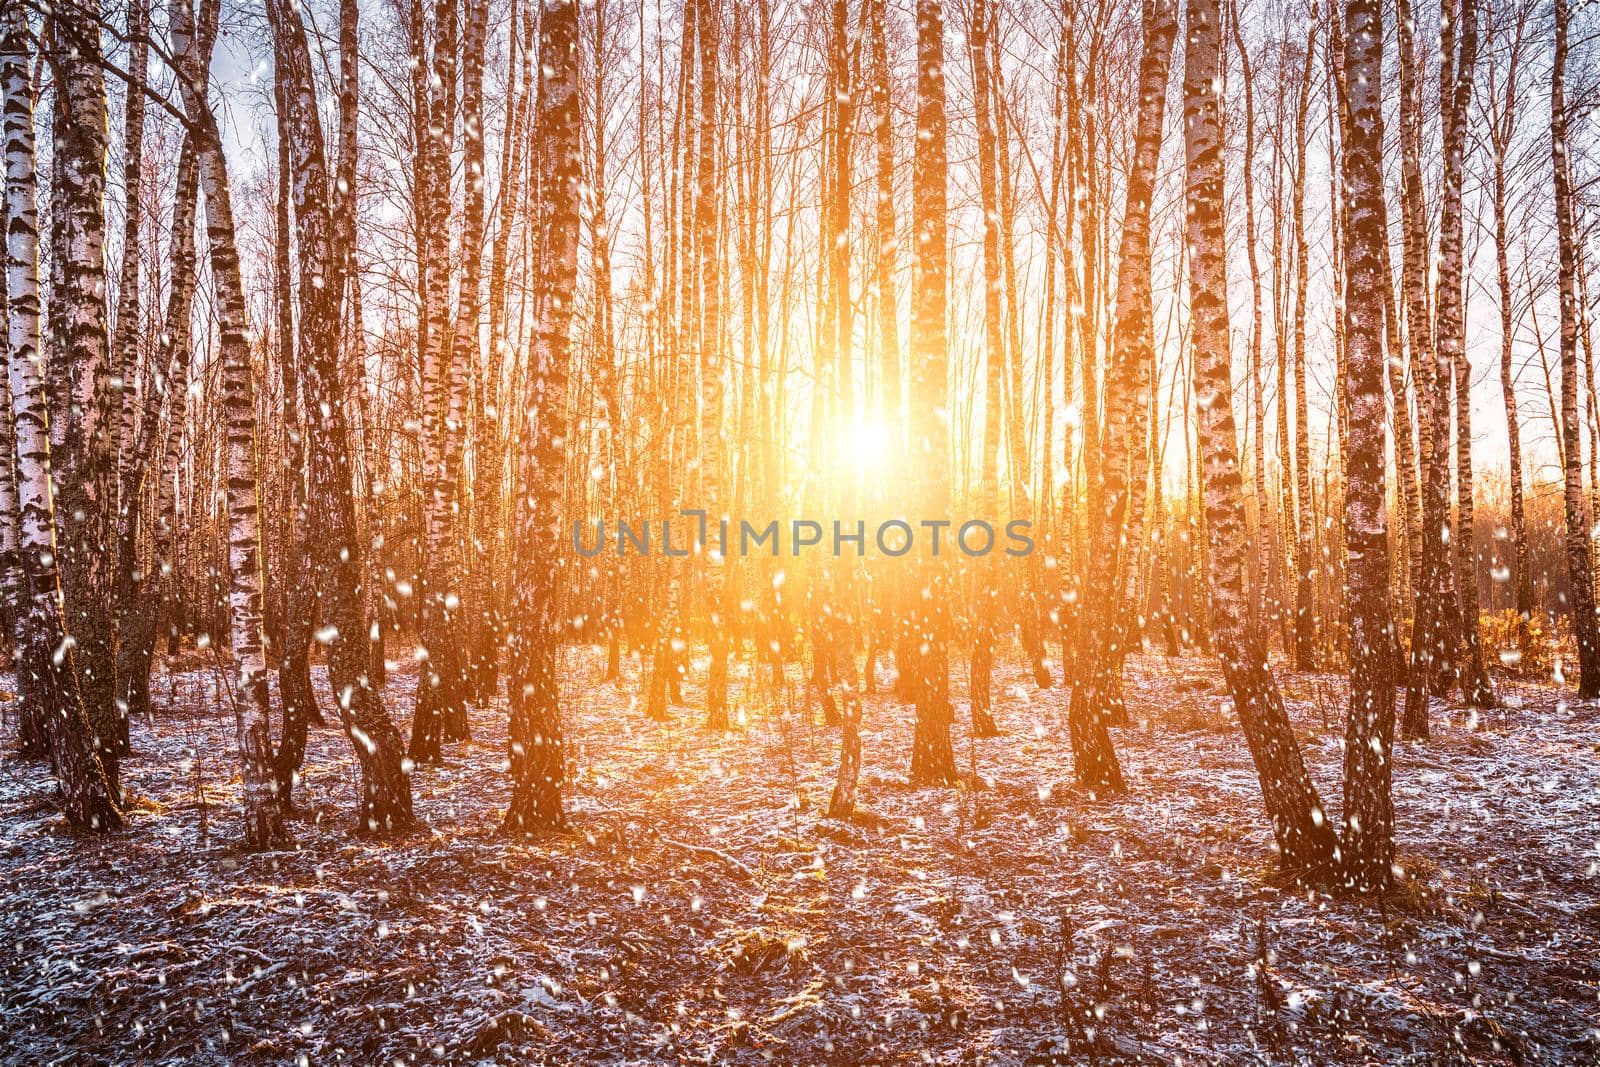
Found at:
<point>537,426</point>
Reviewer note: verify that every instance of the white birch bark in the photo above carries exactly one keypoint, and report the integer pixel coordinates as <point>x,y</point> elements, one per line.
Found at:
<point>83,454</point>
<point>44,652</point>
<point>1579,551</point>
<point>536,746</point>
<point>1368,833</point>
<point>1304,836</point>
<point>252,714</point>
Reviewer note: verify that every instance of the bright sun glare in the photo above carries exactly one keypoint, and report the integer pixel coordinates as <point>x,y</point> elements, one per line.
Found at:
<point>867,445</point>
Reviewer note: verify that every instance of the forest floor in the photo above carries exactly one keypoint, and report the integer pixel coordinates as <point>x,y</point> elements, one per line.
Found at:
<point>703,910</point>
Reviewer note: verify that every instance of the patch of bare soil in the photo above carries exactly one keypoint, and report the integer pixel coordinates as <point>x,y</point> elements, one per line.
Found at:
<point>702,910</point>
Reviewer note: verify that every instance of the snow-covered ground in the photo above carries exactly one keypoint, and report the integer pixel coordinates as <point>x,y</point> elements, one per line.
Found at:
<point>702,910</point>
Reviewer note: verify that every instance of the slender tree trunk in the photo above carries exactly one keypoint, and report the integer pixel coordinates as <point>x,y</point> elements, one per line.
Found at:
<point>125,336</point>
<point>471,665</point>
<point>1030,579</point>
<point>1405,448</point>
<point>1521,577</point>
<point>300,599</point>
<point>932,756</point>
<point>1432,647</point>
<point>90,793</point>
<point>713,443</point>
<point>888,240</point>
<point>676,404</point>
<point>986,628</point>
<point>537,759</point>
<point>1305,610</point>
<point>441,689</point>
<point>888,594</point>
<point>385,780</point>
<point>1367,849</point>
<point>1263,599</point>
<point>125,339</point>
<point>1304,836</point>
<point>30,734</point>
<point>263,824</point>
<point>155,452</point>
<point>1579,557</point>
<point>1127,409</point>
<point>608,385</point>
<point>1586,337</point>
<point>82,444</point>
<point>490,461</point>
<point>1451,336</point>
<point>1288,536</point>
<point>370,487</point>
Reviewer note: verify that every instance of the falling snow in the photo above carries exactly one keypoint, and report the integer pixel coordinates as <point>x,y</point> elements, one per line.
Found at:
<point>701,908</point>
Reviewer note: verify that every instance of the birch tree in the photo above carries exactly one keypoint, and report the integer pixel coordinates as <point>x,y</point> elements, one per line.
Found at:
<point>1305,610</point>
<point>1501,111</point>
<point>385,780</point>
<point>1304,835</point>
<point>932,757</point>
<point>82,450</point>
<point>1127,409</point>
<point>1432,640</point>
<point>986,628</point>
<point>44,653</point>
<point>252,712</point>
<point>1450,333</point>
<point>537,752</point>
<point>713,443</point>
<point>1579,553</point>
<point>1367,848</point>
<point>125,339</point>
<point>441,690</point>
<point>159,447</point>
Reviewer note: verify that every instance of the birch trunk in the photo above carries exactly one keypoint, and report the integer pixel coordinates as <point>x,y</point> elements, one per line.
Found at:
<point>932,757</point>
<point>536,749</point>
<point>1579,558</point>
<point>82,447</point>
<point>1030,579</point>
<point>986,629</point>
<point>488,487</point>
<point>1521,577</point>
<point>125,339</point>
<point>30,737</point>
<point>441,689</point>
<point>1304,837</point>
<point>1405,447</point>
<point>1367,849</point>
<point>1305,611</point>
<point>888,239</point>
<point>888,603</point>
<point>44,654</point>
<point>713,444</point>
<point>475,666</point>
<point>1432,647</point>
<point>159,455</point>
<point>385,780</point>
<point>144,449</point>
<point>1127,412</point>
<point>252,713</point>
<point>300,601</point>
<point>1263,598</point>
<point>1451,336</point>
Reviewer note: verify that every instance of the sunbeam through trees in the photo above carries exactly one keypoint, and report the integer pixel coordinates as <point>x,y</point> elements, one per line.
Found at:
<point>951,531</point>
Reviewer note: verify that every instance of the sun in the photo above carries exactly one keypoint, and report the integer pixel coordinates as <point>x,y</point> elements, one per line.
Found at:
<point>866,445</point>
